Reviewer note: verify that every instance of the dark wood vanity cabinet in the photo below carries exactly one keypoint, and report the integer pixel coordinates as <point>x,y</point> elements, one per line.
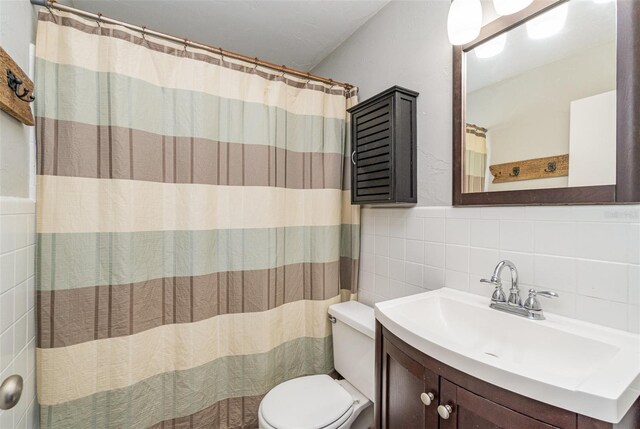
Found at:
<point>404,374</point>
<point>383,148</point>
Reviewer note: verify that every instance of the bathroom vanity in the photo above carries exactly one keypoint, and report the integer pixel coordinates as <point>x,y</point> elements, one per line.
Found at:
<point>445,360</point>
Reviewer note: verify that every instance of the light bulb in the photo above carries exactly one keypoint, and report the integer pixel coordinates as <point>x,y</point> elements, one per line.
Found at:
<point>492,47</point>
<point>464,21</point>
<point>549,23</point>
<point>508,7</point>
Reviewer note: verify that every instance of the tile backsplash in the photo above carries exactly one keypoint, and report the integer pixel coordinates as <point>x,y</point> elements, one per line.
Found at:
<point>17,313</point>
<point>590,255</point>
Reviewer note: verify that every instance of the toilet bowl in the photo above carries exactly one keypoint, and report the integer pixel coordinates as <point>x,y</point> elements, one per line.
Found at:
<point>319,401</point>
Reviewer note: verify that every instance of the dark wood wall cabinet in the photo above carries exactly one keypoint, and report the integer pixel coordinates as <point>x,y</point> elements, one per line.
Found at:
<point>383,148</point>
<point>415,391</point>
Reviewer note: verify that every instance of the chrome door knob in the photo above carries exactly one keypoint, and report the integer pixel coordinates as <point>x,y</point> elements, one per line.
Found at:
<point>426,398</point>
<point>10,392</point>
<point>445,411</point>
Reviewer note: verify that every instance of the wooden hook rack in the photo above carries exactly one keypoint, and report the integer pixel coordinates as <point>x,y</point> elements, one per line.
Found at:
<point>16,90</point>
<point>530,169</point>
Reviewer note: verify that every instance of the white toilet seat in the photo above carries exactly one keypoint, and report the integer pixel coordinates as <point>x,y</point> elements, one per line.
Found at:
<point>311,402</point>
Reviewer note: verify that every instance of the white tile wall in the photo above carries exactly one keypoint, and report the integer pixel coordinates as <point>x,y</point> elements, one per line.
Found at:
<point>590,255</point>
<point>17,312</point>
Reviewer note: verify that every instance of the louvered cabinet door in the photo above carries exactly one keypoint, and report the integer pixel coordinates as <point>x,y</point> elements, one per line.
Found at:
<point>383,145</point>
<point>372,156</point>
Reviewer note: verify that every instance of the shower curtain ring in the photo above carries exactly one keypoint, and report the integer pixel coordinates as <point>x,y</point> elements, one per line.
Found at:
<point>144,33</point>
<point>186,42</point>
<point>308,78</point>
<point>99,20</point>
<point>284,70</point>
<point>221,52</point>
<point>255,63</point>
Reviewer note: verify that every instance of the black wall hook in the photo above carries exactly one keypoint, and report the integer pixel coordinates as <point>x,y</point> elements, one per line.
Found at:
<point>14,83</point>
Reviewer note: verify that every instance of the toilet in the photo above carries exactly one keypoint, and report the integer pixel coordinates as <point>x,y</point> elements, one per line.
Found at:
<point>319,401</point>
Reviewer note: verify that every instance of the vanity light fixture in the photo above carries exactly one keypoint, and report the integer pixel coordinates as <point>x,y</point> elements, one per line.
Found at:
<point>508,7</point>
<point>464,21</point>
<point>549,23</point>
<point>492,47</point>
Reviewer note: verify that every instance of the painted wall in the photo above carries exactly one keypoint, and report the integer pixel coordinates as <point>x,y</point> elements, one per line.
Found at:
<point>406,44</point>
<point>591,255</point>
<point>536,122</point>
<point>17,226</point>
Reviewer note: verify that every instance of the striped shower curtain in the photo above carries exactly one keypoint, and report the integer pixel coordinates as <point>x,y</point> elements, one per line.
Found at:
<point>194,224</point>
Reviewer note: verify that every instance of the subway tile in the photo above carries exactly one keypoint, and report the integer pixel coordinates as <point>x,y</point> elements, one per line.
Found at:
<point>368,262</point>
<point>382,266</point>
<point>414,228</point>
<point>8,228</point>
<point>7,271</point>
<point>457,258</point>
<point>382,225</point>
<point>457,231</point>
<point>31,229</point>
<point>20,299</point>
<point>555,238</point>
<point>456,280</point>
<point>367,281</point>
<point>367,223</point>
<point>22,261</point>
<point>433,278</point>
<point>633,244</point>
<point>484,233</point>
<point>434,230</point>
<point>31,263</point>
<point>366,297</point>
<point>634,284</point>
<point>602,312</point>
<point>602,241</point>
<point>434,254</point>
<point>6,310</point>
<point>396,269</point>
<point>396,247</point>
<point>523,263</point>
<point>503,213</point>
<point>551,213</point>
<point>6,348</point>
<point>463,212</point>
<point>482,261</point>
<point>564,305</point>
<point>608,214</point>
<point>554,273</point>
<point>381,285</point>
<point>20,337</point>
<point>603,280</point>
<point>430,212</point>
<point>413,273</point>
<point>397,226</point>
<point>367,242</point>
<point>382,245</point>
<point>516,236</point>
<point>414,251</point>
<point>31,292</point>
<point>633,314</point>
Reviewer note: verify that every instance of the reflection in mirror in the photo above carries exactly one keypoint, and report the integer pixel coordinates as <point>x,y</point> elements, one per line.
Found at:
<point>541,102</point>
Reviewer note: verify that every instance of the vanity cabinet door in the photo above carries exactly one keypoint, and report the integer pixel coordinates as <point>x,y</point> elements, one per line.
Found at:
<point>404,381</point>
<point>470,411</point>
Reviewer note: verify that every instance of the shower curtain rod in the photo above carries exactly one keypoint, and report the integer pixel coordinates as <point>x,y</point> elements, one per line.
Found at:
<point>52,4</point>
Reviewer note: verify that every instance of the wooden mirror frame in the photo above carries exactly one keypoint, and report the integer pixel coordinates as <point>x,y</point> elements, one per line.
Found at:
<point>627,187</point>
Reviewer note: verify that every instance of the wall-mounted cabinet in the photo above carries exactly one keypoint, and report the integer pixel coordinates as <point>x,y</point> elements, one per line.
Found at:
<point>383,152</point>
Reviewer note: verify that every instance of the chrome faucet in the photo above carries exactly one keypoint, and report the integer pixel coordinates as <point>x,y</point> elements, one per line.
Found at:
<point>530,309</point>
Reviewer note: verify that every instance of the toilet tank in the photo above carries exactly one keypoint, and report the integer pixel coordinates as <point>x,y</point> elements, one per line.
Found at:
<point>354,344</point>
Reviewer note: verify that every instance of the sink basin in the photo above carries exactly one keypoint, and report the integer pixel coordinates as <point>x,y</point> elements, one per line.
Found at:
<point>582,367</point>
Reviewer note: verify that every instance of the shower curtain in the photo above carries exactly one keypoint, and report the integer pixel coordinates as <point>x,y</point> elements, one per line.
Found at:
<point>194,224</point>
<point>475,158</point>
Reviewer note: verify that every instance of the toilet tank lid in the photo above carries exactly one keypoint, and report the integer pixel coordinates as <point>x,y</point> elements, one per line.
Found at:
<point>356,315</point>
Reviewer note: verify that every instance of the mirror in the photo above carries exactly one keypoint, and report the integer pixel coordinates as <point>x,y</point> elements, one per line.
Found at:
<point>540,102</point>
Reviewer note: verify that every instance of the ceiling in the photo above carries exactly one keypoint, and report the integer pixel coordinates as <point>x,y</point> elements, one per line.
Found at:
<point>298,34</point>
<point>589,24</point>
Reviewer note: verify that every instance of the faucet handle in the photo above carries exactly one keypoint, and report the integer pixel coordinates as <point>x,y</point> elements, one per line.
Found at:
<point>532,303</point>
<point>498,294</point>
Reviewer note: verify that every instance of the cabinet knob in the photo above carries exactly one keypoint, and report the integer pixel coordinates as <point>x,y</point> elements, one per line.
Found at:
<point>445,411</point>
<point>426,398</point>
